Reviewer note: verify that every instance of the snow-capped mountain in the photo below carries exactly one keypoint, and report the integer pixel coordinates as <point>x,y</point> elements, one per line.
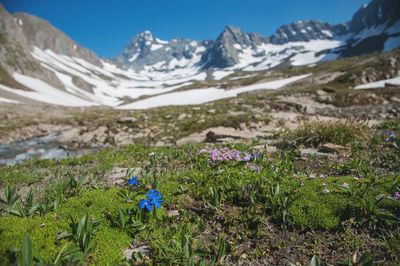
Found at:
<point>225,51</point>
<point>146,52</point>
<point>298,43</point>
<point>305,31</point>
<point>40,63</point>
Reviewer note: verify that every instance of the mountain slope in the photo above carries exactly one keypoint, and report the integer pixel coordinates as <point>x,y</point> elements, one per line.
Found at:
<point>40,63</point>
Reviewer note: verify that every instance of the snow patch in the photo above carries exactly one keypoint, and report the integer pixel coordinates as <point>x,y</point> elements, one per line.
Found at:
<point>4,100</point>
<point>200,96</point>
<point>221,74</point>
<point>154,47</point>
<point>379,84</point>
<point>327,33</point>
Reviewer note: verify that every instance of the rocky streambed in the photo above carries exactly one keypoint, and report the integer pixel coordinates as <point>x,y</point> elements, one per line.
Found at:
<point>43,147</point>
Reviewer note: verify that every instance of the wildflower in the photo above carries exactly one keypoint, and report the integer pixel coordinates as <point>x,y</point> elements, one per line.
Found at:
<point>154,194</point>
<point>154,200</point>
<point>146,204</point>
<point>250,157</point>
<point>133,181</point>
<point>345,185</point>
<point>247,157</point>
<point>396,195</point>
<point>390,136</point>
<point>156,203</point>
<point>325,191</point>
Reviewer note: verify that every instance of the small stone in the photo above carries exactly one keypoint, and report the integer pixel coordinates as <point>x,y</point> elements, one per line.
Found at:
<point>345,186</point>
<point>331,148</point>
<point>127,120</point>
<point>173,213</point>
<point>160,143</point>
<point>143,250</point>
<point>182,116</point>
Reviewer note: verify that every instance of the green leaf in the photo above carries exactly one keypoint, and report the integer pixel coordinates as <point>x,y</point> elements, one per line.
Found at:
<point>26,251</point>
<point>365,260</point>
<point>315,261</point>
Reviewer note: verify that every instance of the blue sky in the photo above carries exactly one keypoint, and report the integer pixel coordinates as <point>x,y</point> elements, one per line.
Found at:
<point>106,26</point>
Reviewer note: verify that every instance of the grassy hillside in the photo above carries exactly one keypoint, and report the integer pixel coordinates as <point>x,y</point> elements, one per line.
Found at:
<point>222,204</point>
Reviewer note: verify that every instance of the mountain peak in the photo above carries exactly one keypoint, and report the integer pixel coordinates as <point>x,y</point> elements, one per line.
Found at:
<point>375,13</point>
<point>304,31</point>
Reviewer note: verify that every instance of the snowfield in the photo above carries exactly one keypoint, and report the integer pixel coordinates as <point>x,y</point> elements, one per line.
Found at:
<point>200,96</point>
<point>111,86</point>
<point>379,84</point>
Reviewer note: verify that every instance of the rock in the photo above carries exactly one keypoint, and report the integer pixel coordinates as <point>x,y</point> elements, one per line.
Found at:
<point>143,250</point>
<point>331,148</point>
<point>127,120</point>
<point>182,116</point>
<point>217,133</point>
<point>312,152</point>
<point>70,135</point>
<point>100,134</point>
<point>173,213</point>
<point>118,175</point>
<point>211,111</point>
<point>138,135</point>
<point>321,92</point>
<point>123,138</point>
<point>160,143</point>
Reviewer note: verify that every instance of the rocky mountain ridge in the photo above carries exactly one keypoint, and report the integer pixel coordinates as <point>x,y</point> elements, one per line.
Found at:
<point>370,21</point>
<point>35,55</point>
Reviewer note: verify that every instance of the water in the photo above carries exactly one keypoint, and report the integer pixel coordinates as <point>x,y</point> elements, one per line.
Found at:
<point>45,147</point>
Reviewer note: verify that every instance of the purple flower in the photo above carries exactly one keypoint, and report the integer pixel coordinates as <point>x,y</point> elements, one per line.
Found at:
<point>220,155</point>
<point>250,156</point>
<point>133,181</point>
<point>247,157</point>
<point>396,195</point>
<point>390,136</point>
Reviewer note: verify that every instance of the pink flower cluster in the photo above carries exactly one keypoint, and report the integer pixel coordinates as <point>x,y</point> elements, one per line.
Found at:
<point>226,154</point>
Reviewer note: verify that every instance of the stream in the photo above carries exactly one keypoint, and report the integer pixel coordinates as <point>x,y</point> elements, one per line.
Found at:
<point>45,147</point>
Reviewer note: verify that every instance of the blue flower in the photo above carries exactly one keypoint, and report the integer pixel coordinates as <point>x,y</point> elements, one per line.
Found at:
<point>133,181</point>
<point>154,194</point>
<point>146,204</point>
<point>156,203</point>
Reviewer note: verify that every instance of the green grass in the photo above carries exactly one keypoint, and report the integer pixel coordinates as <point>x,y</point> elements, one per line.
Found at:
<point>224,207</point>
<point>339,132</point>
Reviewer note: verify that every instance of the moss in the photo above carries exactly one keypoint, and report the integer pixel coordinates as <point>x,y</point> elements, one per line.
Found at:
<point>42,230</point>
<point>95,202</point>
<point>110,244</point>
